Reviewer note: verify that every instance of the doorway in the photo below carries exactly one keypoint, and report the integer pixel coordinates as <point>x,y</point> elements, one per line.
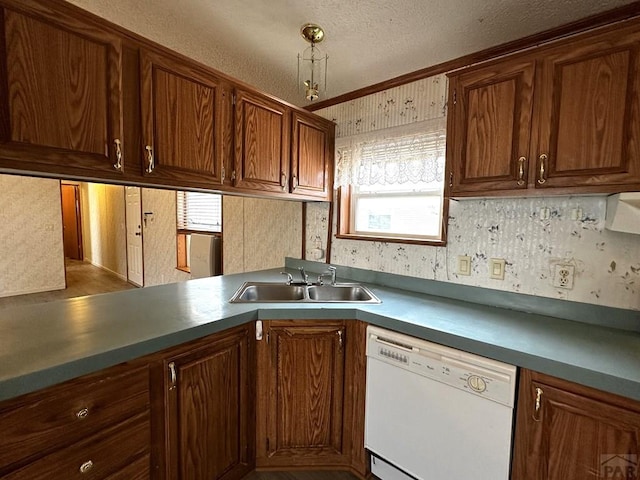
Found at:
<point>71,222</point>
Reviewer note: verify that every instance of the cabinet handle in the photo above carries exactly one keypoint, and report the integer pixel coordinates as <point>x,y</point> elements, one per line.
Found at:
<point>172,375</point>
<point>86,466</point>
<point>118,146</point>
<point>451,179</point>
<point>283,180</point>
<point>222,174</point>
<point>150,162</point>
<point>536,412</point>
<point>294,182</point>
<point>521,162</point>
<point>83,413</point>
<point>543,160</point>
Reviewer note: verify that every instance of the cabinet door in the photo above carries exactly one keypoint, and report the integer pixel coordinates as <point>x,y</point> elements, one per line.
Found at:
<point>261,143</point>
<point>311,156</point>
<point>575,433</point>
<point>588,120</point>
<point>209,410</point>
<point>301,394</point>
<point>491,119</point>
<point>62,92</point>
<point>182,127</point>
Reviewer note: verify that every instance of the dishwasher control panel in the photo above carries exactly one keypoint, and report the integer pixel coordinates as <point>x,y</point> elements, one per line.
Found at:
<point>477,375</point>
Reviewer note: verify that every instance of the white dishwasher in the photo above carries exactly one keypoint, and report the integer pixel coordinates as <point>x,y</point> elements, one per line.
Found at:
<point>435,413</point>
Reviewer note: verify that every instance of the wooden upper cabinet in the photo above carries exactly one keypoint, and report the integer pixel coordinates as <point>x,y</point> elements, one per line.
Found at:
<point>182,120</point>
<point>61,92</point>
<point>262,136</point>
<point>301,394</point>
<point>311,156</point>
<point>564,117</point>
<point>493,109</point>
<point>565,431</point>
<point>588,124</point>
<point>210,425</point>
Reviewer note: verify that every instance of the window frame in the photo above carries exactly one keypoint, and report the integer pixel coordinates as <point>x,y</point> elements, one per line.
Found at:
<point>344,201</point>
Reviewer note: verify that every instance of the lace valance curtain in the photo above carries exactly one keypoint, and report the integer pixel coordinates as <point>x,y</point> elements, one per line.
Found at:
<point>400,155</point>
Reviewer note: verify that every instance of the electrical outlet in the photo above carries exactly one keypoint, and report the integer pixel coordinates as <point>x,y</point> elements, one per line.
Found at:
<point>563,276</point>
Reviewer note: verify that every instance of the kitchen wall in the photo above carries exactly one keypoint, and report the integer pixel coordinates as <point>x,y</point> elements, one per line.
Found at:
<point>104,235</point>
<point>31,248</point>
<point>159,238</point>
<point>607,264</point>
<point>258,233</point>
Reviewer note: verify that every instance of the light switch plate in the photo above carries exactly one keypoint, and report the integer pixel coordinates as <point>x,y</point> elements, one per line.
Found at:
<point>496,268</point>
<point>464,265</point>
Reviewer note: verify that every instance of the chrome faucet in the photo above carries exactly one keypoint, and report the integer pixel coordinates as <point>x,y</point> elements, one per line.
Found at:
<point>331,272</point>
<point>303,274</point>
<point>289,277</point>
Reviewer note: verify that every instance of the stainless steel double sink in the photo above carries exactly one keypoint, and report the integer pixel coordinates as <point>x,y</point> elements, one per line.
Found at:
<point>268,292</point>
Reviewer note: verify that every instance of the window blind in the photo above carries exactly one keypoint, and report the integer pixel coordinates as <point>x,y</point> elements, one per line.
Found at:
<point>199,212</point>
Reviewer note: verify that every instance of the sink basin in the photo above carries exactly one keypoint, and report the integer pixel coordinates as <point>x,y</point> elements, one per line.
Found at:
<point>339,293</point>
<point>269,292</point>
<point>266,292</point>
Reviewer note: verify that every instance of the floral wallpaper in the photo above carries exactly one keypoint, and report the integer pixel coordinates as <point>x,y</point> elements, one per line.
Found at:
<point>532,235</point>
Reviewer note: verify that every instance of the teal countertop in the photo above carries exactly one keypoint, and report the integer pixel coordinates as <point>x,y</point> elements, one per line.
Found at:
<point>48,343</point>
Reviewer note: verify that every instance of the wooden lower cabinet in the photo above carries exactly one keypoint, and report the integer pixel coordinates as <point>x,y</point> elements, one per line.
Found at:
<point>96,427</point>
<point>304,416</point>
<point>566,431</point>
<point>209,414</point>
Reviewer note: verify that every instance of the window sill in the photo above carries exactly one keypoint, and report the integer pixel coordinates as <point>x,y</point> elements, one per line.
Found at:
<point>409,241</point>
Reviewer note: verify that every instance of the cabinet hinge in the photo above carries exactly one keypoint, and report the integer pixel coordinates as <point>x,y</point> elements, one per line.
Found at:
<point>455,97</point>
<point>267,342</point>
<point>233,99</point>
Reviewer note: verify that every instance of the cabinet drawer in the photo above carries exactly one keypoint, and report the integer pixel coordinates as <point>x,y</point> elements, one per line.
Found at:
<point>43,421</point>
<point>138,470</point>
<point>94,458</point>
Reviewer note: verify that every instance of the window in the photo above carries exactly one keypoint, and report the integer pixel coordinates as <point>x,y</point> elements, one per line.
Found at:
<point>391,184</point>
<point>196,213</point>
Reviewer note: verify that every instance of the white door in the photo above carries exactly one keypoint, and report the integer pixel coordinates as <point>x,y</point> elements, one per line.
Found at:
<point>134,236</point>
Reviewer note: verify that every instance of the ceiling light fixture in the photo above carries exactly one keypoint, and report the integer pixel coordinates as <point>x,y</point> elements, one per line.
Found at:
<point>312,64</point>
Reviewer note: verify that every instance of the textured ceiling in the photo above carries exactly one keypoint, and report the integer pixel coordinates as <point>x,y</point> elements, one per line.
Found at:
<point>368,41</point>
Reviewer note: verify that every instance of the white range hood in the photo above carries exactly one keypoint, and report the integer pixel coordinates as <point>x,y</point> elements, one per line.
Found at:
<point>623,212</point>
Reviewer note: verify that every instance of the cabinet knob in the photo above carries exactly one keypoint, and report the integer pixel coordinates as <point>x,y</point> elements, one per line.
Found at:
<point>118,147</point>
<point>86,466</point>
<point>521,163</point>
<point>150,161</point>
<point>542,173</point>
<point>83,413</point>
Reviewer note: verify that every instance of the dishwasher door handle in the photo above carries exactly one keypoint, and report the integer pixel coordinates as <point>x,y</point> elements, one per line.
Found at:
<point>406,348</point>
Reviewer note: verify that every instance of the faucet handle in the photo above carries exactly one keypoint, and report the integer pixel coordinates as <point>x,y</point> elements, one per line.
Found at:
<point>289,277</point>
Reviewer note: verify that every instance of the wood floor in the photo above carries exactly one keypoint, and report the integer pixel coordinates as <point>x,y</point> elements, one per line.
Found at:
<point>301,475</point>
<point>82,279</point>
